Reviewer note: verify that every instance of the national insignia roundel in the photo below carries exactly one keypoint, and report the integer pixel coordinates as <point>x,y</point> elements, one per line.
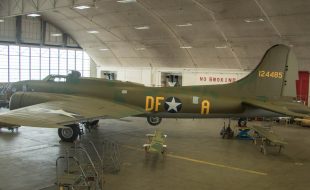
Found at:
<point>173,105</point>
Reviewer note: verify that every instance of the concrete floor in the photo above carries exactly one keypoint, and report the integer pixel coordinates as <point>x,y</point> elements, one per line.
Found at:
<point>198,158</point>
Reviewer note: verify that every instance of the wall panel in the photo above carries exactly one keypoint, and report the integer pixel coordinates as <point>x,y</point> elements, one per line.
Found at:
<point>8,30</point>
<point>31,30</point>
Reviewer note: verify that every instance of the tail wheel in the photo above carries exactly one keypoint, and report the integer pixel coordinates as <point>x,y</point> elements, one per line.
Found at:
<point>153,120</point>
<point>242,122</point>
<point>69,133</point>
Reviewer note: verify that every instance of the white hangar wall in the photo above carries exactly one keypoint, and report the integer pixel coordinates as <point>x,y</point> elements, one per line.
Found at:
<point>190,76</point>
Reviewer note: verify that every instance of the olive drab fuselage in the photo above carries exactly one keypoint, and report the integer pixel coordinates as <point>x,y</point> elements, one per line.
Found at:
<point>262,90</point>
<point>179,102</point>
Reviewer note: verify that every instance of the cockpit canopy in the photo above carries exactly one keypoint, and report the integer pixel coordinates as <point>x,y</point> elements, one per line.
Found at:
<point>72,77</point>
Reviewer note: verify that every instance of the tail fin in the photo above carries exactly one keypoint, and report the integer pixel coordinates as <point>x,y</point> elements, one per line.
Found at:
<point>275,76</point>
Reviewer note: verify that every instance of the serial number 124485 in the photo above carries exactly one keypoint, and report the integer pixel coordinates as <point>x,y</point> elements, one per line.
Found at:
<point>270,74</point>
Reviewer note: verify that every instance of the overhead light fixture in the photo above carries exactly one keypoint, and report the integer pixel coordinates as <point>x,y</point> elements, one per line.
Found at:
<point>184,25</point>
<point>142,27</point>
<point>248,20</point>
<point>186,47</point>
<point>221,47</point>
<point>140,49</point>
<point>33,15</point>
<point>56,34</point>
<point>104,49</point>
<point>93,31</point>
<point>126,1</point>
<point>1,20</point>
<point>81,7</point>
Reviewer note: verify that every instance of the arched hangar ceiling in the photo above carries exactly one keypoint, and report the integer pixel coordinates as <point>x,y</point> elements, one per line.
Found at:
<point>230,34</point>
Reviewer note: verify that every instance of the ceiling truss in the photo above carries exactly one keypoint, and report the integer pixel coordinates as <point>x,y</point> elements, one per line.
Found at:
<point>11,8</point>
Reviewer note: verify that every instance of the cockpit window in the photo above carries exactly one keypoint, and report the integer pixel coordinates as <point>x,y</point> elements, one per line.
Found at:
<point>59,79</point>
<point>55,78</point>
<point>72,77</point>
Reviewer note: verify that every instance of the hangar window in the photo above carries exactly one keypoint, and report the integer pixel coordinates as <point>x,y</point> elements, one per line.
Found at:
<point>20,62</point>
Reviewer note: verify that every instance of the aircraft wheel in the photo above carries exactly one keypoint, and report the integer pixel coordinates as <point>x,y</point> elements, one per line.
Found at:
<point>70,133</point>
<point>153,120</point>
<point>242,122</point>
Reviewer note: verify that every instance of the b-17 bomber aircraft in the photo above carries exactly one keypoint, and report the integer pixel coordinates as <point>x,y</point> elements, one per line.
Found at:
<point>65,101</point>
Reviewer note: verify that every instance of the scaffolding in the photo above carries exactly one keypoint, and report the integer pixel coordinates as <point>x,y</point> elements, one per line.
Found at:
<point>77,170</point>
<point>111,155</point>
<point>84,165</point>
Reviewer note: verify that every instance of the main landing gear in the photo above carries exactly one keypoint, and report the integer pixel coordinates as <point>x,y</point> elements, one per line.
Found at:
<point>226,131</point>
<point>89,125</point>
<point>69,133</point>
<point>153,120</point>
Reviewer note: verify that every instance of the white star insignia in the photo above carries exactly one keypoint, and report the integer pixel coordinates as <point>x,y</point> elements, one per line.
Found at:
<point>60,112</point>
<point>173,105</point>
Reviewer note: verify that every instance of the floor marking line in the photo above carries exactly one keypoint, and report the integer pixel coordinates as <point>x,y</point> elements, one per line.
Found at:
<point>21,150</point>
<point>203,162</point>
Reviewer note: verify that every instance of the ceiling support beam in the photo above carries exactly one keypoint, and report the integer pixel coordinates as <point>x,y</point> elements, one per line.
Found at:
<point>219,29</point>
<point>169,29</point>
<point>268,19</point>
<point>11,8</point>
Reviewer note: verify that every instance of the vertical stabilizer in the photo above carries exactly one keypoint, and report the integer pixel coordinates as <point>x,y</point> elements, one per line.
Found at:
<point>275,76</point>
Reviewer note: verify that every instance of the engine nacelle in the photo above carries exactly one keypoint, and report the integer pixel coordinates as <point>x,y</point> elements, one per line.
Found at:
<point>23,99</point>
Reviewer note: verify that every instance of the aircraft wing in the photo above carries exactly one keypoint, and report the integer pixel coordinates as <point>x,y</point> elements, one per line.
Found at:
<point>67,109</point>
<point>275,107</point>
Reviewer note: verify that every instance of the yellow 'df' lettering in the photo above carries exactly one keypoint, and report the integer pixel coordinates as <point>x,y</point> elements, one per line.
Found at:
<point>157,102</point>
<point>152,103</point>
<point>149,103</point>
<point>205,107</point>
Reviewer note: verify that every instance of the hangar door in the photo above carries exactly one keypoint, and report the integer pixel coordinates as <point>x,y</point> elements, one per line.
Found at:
<point>171,79</point>
<point>302,86</point>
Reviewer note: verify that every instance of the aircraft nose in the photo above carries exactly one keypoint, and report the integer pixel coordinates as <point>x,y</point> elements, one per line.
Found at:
<point>5,91</point>
<point>4,87</point>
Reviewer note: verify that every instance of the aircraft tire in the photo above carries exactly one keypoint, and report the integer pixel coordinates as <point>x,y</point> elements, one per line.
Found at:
<point>70,133</point>
<point>153,120</point>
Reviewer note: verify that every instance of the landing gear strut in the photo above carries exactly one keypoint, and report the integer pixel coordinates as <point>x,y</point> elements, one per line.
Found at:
<point>89,125</point>
<point>69,133</point>
<point>153,120</point>
<point>226,131</point>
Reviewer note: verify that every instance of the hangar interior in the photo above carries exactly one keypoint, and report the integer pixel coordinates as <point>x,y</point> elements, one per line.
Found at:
<point>157,43</point>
